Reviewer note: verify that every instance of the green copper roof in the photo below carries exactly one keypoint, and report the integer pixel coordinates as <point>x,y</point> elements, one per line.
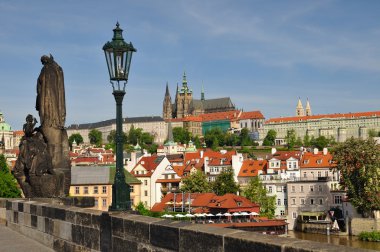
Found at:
<point>129,178</point>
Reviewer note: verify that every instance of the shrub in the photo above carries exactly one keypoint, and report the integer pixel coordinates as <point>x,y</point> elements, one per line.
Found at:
<point>370,236</point>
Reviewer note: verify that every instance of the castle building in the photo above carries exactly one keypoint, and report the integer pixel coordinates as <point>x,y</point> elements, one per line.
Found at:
<point>337,126</point>
<point>185,105</point>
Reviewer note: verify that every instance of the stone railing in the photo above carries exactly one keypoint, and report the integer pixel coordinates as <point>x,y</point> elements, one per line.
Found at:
<point>68,228</point>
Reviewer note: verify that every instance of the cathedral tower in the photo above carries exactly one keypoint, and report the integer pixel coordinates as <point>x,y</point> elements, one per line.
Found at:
<point>308,108</point>
<point>184,97</point>
<point>299,109</point>
<point>167,105</point>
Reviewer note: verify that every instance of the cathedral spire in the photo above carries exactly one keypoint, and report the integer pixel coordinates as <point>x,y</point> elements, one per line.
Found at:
<point>299,109</point>
<point>202,93</point>
<point>184,81</point>
<point>167,90</point>
<point>167,112</point>
<point>308,108</point>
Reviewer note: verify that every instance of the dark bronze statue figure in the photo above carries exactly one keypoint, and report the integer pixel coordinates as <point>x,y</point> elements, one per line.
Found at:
<point>43,166</point>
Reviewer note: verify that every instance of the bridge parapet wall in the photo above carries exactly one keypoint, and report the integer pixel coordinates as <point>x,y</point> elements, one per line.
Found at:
<point>69,228</point>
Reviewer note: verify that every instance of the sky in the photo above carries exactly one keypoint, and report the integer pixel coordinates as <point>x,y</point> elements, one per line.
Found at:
<point>263,54</point>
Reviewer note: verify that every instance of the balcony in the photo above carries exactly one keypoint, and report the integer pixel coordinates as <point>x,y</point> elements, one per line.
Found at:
<point>173,189</point>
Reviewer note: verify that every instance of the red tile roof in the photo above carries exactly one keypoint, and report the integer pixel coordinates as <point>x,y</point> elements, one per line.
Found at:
<point>251,115</point>
<point>317,117</point>
<point>218,116</point>
<point>206,202</point>
<point>149,163</point>
<point>311,160</point>
<point>250,168</point>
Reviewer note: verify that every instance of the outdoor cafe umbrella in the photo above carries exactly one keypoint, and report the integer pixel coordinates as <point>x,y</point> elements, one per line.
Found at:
<point>219,215</point>
<point>244,214</point>
<point>179,216</point>
<point>236,214</point>
<point>167,216</point>
<point>227,214</point>
<point>254,214</point>
<point>210,215</point>
<point>189,215</point>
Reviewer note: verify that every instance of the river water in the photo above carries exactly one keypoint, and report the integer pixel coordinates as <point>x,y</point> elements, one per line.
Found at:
<point>350,241</point>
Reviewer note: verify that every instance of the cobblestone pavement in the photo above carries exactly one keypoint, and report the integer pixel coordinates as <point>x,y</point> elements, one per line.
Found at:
<point>12,241</point>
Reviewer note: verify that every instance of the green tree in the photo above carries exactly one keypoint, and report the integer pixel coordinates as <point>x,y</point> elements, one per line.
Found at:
<point>232,139</point>
<point>257,193</point>
<point>225,183</point>
<point>307,140</point>
<point>111,138</point>
<point>245,139</point>
<point>134,135</point>
<point>290,138</point>
<point>181,135</point>
<point>320,142</point>
<point>372,133</point>
<point>195,182</point>
<point>146,138</point>
<point>77,137</point>
<point>197,142</point>
<point>95,137</point>
<point>8,184</point>
<point>214,137</point>
<point>358,162</point>
<point>270,138</point>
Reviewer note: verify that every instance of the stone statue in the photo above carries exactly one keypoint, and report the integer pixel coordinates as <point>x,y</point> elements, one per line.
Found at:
<point>43,166</point>
<point>50,101</point>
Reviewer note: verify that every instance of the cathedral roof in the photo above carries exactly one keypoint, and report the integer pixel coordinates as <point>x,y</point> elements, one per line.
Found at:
<point>211,104</point>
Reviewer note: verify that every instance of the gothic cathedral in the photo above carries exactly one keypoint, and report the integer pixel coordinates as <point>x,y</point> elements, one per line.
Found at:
<point>184,104</point>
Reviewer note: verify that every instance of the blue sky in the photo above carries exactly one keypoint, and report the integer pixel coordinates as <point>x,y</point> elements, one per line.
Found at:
<point>263,54</point>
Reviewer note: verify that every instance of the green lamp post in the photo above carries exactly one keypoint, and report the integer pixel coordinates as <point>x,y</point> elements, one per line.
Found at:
<point>118,56</point>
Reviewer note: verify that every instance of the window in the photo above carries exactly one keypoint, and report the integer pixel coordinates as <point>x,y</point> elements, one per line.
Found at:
<point>270,189</point>
<point>301,188</point>
<point>95,190</point>
<point>284,189</point>
<point>293,201</point>
<point>337,199</point>
<point>304,174</point>
<point>311,188</point>
<point>85,191</point>
<point>294,215</point>
<point>279,202</point>
<point>96,202</point>
<point>285,202</point>
<point>320,188</point>
<point>319,174</point>
<point>320,201</point>
<point>311,201</point>
<point>145,193</point>
<point>145,182</point>
<point>104,201</point>
<point>282,212</point>
<point>302,201</point>
<point>293,188</point>
<point>131,188</point>
<point>326,173</point>
<point>104,189</point>
<point>77,190</point>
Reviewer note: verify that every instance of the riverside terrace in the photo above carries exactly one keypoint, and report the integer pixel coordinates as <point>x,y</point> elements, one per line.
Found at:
<point>69,228</point>
<point>243,221</point>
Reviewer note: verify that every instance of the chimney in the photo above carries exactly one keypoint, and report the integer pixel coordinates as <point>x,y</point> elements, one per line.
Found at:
<point>315,151</point>
<point>273,151</point>
<point>324,151</point>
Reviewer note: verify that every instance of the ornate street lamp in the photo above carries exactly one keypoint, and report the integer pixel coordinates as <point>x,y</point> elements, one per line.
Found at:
<point>118,56</point>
